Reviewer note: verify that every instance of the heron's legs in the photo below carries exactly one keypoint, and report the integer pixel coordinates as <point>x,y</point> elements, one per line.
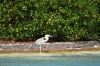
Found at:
<point>40,48</point>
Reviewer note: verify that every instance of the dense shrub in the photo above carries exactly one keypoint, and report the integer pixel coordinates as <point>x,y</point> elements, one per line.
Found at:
<point>64,19</point>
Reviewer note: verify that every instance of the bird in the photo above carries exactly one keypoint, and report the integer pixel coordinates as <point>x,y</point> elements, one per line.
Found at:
<point>42,40</point>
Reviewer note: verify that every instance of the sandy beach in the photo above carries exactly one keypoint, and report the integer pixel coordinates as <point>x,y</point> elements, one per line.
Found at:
<point>30,47</point>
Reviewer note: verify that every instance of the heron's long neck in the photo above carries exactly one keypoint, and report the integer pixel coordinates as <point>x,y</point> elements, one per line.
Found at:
<point>46,37</point>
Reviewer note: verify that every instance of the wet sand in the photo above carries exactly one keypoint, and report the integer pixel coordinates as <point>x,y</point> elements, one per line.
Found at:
<point>81,53</point>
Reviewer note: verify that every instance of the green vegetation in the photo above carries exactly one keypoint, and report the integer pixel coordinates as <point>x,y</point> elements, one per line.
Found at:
<point>64,19</point>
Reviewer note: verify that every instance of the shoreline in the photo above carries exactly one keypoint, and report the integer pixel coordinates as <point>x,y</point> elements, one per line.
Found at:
<point>30,47</point>
<point>54,51</point>
<point>81,53</point>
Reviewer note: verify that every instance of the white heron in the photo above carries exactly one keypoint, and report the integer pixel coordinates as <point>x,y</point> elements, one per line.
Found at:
<point>42,40</point>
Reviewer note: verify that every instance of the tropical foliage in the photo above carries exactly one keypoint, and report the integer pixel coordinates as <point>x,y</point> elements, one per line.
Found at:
<point>64,19</point>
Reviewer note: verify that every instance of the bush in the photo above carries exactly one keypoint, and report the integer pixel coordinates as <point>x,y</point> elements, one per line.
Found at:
<point>64,19</point>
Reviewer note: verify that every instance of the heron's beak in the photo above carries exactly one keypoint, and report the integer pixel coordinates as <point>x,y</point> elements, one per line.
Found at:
<point>51,36</point>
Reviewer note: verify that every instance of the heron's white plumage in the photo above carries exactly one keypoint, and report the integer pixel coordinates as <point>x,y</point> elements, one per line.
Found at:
<point>42,40</point>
